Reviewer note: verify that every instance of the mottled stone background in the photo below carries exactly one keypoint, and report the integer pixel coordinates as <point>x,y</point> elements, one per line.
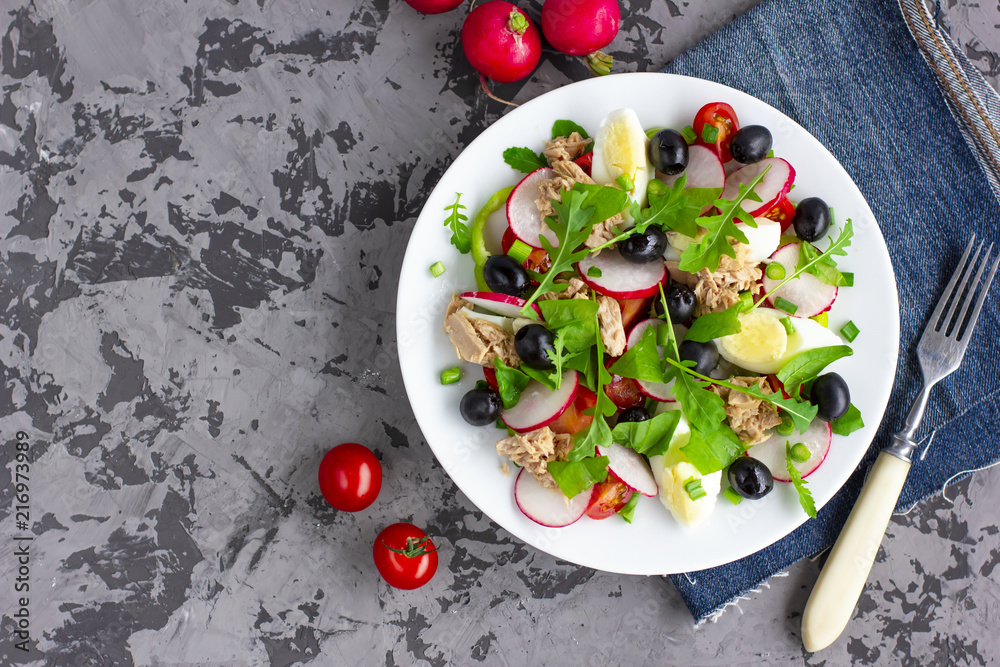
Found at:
<point>204,207</point>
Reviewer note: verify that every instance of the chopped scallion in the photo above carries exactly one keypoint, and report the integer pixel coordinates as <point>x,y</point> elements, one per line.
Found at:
<point>787,323</point>
<point>694,489</point>
<point>785,305</point>
<point>732,496</point>
<point>662,335</point>
<point>689,135</point>
<point>519,251</point>
<point>746,301</point>
<point>850,331</point>
<point>848,278</point>
<point>651,132</point>
<point>775,271</point>
<point>437,268</point>
<point>451,375</point>
<point>770,153</point>
<point>786,427</point>
<point>709,133</point>
<point>799,452</point>
<point>625,182</point>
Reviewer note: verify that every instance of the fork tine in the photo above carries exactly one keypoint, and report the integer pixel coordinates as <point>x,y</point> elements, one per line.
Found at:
<point>964,335</point>
<point>959,295</point>
<point>970,295</point>
<point>932,324</point>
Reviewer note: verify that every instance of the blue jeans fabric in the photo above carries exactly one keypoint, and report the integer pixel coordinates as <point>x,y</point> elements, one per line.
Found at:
<point>852,75</point>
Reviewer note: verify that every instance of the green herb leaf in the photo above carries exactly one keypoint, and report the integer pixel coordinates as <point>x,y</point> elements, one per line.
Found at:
<point>849,423</point>
<point>706,253</point>
<point>510,382</point>
<point>642,360</point>
<point>580,209</point>
<point>713,450</point>
<point>805,495</point>
<point>564,128</point>
<point>524,160</point>
<point>583,363</point>
<point>675,207</point>
<point>572,320</point>
<point>574,477</point>
<point>598,433</point>
<point>594,272</point>
<point>715,325</point>
<point>628,509</point>
<point>837,248</point>
<point>650,437</point>
<point>460,234</point>
<point>801,412</point>
<point>805,366</point>
<point>819,265</point>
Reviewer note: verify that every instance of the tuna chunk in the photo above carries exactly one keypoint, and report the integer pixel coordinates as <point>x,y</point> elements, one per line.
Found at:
<point>749,417</point>
<point>609,317</point>
<point>533,451</point>
<point>718,290</point>
<point>476,340</point>
<point>564,149</point>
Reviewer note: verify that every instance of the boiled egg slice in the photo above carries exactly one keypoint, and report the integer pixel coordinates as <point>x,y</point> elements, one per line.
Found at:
<point>672,470</point>
<point>620,150</point>
<point>763,346</point>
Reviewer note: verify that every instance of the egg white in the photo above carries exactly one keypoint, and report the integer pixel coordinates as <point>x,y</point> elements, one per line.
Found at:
<point>764,347</point>
<point>620,148</point>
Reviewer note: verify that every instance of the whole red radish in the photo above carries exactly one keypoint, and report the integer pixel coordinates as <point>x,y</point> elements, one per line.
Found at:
<point>434,6</point>
<point>501,42</point>
<point>582,28</point>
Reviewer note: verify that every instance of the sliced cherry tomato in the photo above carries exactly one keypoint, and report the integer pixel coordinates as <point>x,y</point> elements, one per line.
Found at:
<point>350,477</point>
<point>585,161</point>
<point>572,420</point>
<point>491,378</point>
<point>634,310</point>
<point>624,392</point>
<point>723,118</point>
<point>538,261</point>
<point>783,212</point>
<point>777,385</point>
<point>608,498</point>
<point>404,556</point>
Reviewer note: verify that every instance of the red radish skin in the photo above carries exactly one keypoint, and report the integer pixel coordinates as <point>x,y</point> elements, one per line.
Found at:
<point>540,406</point>
<point>703,170</point>
<point>434,6</point>
<point>501,304</point>
<point>772,451</point>
<point>809,294</point>
<point>580,27</point>
<point>631,468</point>
<point>775,184</point>
<point>501,42</point>
<point>621,279</point>
<point>525,221</point>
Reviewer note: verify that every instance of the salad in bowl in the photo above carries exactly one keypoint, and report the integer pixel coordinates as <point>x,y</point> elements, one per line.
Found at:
<point>649,309</point>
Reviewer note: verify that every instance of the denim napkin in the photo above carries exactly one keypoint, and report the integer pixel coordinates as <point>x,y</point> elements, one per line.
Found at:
<point>852,74</point>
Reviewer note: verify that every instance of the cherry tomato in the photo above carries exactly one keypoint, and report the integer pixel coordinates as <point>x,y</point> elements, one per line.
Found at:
<point>404,556</point>
<point>572,420</point>
<point>723,118</point>
<point>491,378</point>
<point>585,161</point>
<point>634,310</point>
<point>624,392</point>
<point>608,498</point>
<point>538,261</point>
<point>783,212</point>
<point>350,477</point>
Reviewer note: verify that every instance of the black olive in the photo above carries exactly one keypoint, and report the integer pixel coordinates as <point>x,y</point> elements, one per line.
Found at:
<point>503,274</point>
<point>644,248</point>
<point>830,394</point>
<point>668,152</point>
<point>634,414</point>
<point>481,406</point>
<point>704,355</point>
<point>750,478</point>
<point>532,343</point>
<point>812,219</point>
<point>681,303</point>
<point>751,144</point>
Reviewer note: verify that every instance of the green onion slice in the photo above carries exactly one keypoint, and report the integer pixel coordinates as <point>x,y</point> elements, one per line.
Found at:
<point>799,452</point>
<point>437,268</point>
<point>787,323</point>
<point>519,251</point>
<point>775,271</point>
<point>732,496</point>
<point>850,331</point>
<point>786,427</point>
<point>451,375</point>
<point>785,305</point>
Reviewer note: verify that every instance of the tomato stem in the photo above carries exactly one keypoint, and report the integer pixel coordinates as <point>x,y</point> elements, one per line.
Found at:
<point>415,547</point>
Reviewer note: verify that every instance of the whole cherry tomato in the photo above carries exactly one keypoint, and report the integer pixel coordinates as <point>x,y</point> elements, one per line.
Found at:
<point>350,477</point>
<point>723,118</point>
<point>404,556</point>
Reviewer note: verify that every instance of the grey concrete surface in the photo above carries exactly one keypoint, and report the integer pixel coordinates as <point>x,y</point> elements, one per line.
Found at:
<point>204,208</point>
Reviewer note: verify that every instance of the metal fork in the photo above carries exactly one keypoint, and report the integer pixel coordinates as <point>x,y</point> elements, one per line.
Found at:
<point>940,351</point>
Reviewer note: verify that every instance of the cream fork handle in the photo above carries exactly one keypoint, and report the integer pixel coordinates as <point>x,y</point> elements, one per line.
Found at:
<point>839,586</point>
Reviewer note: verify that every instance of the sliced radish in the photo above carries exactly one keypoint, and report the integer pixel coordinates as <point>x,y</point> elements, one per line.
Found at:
<point>775,184</point>
<point>540,406</point>
<point>771,452</point>
<point>631,468</point>
<point>807,293</point>
<point>703,170</point>
<point>501,304</point>
<point>548,507</point>
<point>522,214</point>
<point>620,278</point>
<point>658,391</point>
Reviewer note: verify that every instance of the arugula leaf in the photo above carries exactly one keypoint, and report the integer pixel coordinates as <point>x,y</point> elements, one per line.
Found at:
<point>510,382</point>
<point>642,360</point>
<point>576,215</point>
<point>706,253</point>
<point>583,363</point>
<point>801,412</point>
<point>564,128</point>
<point>714,450</point>
<point>546,378</point>
<point>805,495</point>
<point>650,437</point>
<point>574,477</point>
<point>598,433</point>
<point>562,312</point>
<point>461,235</point>
<point>715,325</point>
<point>837,248</point>
<point>805,366</point>
<point>628,509</point>
<point>849,423</point>
<point>824,269</point>
<point>524,160</point>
